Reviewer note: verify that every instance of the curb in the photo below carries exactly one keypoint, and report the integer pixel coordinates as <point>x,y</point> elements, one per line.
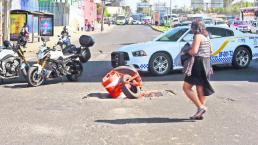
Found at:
<point>151,26</point>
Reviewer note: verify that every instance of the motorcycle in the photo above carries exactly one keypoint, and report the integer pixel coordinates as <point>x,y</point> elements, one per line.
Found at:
<point>12,61</point>
<point>53,63</point>
<point>65,44</point>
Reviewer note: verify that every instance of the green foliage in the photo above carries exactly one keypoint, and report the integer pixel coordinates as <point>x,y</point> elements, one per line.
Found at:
<point>106,13</point>
<point>161,28</point>
<point>198,10</point>
<point>231,9</point>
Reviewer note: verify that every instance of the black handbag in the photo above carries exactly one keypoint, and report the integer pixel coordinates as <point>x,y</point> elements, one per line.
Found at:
<point>184,53</point>
<point>185,57</point>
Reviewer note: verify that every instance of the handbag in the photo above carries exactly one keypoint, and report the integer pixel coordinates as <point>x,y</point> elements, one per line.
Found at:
<point>185,57</point>
<point>184,53</point>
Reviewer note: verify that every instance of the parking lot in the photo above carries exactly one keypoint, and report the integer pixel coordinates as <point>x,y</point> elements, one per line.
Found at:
<point>76,113</point>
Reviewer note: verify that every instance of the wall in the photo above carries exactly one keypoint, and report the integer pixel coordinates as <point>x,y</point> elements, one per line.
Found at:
<point>28,5</point>
<point>90,11</point>
<point>60,11</point>
<point>114,11</point>
<point>76,18</point>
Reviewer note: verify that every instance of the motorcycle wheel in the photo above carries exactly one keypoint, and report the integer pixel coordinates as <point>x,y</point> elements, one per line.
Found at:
<point>130,91</point>
<point>33,78</point>
<point>76,71</point>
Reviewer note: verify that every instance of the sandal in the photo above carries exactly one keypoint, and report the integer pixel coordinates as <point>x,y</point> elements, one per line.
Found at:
<point>199,114</point>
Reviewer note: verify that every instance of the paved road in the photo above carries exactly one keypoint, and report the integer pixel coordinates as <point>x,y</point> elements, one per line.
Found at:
<point>60,114</point>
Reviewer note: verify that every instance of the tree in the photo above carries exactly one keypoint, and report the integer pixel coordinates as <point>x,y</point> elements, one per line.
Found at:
<point>198,10</point>
<point>127,10</point>
<point>106,13</point>
<point>145,1</point>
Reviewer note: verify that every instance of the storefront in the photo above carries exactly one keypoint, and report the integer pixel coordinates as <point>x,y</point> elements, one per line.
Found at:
<point>39,24</point>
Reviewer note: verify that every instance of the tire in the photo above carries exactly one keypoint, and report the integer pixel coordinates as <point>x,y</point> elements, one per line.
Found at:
<point>76,71</point>
<point>241,58</point>
<point>156,67</point>
<point>33,78</point>
<point>130,91</point>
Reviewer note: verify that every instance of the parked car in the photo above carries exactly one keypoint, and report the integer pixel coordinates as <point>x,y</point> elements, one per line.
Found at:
<point>121,20</point>
<point>175,22</point>
<point>184,23</point>
<point>221,23</point>
<point>229,46</point>
<point>254,27</point>
<point>137,22</point>
<point>241,26</point>
<point>208,21</point>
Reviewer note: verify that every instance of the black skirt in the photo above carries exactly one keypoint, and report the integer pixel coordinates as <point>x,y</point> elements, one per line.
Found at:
<point>199,77</point>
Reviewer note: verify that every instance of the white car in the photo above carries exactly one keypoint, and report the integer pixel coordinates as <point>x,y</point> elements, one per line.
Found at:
<point>221,23</point>
<point>137,22</point>
<point>229,46</point>
<point>120,20</point>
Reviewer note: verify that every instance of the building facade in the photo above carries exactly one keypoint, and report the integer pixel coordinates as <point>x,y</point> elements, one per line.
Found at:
<point>90,11</point>
<point>59,9</point>
<point>205,4</point>
<point>144,8</point>
<point>28,5</point>
<point>115,11</point>
<point>217,3</point>
<point>197,4</point>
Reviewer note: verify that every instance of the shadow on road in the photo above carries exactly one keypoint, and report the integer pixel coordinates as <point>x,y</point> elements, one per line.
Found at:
<point>94,71</point>
<point>98,95</point>
<point>145,120</point>
<point>22,83</point>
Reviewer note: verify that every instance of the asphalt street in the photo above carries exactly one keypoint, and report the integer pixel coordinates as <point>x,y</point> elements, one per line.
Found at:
<point>76,113</point>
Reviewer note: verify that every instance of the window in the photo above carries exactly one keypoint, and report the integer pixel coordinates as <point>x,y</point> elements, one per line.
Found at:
<point>188,37</point>
<point>173,35</point>
<point>219,32</point>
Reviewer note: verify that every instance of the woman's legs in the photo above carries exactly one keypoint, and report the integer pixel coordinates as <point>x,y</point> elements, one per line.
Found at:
<point>191,94</point>
<point>201,96</point>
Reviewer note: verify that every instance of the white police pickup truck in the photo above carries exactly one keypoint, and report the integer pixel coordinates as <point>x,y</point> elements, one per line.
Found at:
<point>229,46</point>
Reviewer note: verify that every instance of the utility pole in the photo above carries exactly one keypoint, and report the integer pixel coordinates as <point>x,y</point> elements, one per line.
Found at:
<point>7,7</point>
<point>102,16</point>
<point>170,5</point>
<point>1,23</point>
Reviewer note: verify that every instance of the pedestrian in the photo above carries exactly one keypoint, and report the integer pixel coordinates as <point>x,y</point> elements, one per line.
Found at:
<point>109,22</point>
<point>198,69</point>
<point>25,34</point>
<point>92,26</point>
<point>65,31</point>
<point>88,26</point>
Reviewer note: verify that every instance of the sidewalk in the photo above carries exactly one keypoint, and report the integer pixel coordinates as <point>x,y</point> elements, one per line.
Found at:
<point>32,48</point>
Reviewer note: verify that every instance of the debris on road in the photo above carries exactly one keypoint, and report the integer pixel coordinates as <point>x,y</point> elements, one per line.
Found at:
<point>144,94</point>
<point>123,81</point>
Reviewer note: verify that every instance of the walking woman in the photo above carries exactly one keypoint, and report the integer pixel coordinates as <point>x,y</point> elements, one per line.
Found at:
<point>199,69</point>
